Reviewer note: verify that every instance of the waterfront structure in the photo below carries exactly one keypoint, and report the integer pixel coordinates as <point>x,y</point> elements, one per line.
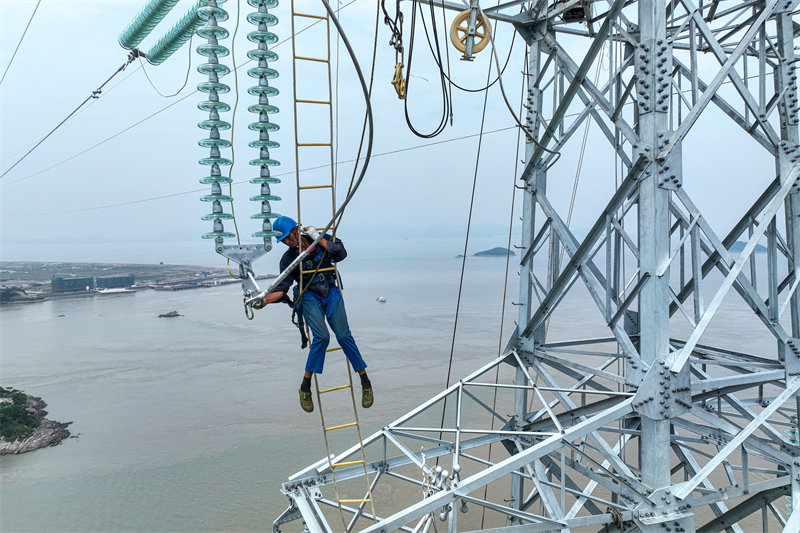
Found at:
<point>71,284</point>
<point>649,428</point>
<point>115,282</point>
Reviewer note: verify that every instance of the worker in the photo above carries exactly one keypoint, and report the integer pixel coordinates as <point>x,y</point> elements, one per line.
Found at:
<point>320,299</point>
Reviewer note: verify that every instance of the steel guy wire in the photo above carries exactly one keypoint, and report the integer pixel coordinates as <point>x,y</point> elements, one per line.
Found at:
<point>95,94</point>
<point>20,42</point>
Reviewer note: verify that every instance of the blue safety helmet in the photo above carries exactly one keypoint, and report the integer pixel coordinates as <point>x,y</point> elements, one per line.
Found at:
<point>284,225</point>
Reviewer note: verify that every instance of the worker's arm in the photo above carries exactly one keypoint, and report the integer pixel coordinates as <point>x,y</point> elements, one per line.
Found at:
<point>274,297</point>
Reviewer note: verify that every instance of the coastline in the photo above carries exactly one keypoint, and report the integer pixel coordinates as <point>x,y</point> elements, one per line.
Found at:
<point>33,278</point>
<point>48,433</point>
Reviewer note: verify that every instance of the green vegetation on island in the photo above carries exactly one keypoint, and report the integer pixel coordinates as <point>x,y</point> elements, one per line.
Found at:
<point>17,294</point>
<point>16,422</point>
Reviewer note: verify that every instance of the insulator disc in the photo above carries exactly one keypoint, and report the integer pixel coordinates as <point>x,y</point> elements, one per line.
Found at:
<point>269,4</point>
<point>212,160</point>
<point>207,50</point>
<point>258,36</point>
<point>267,234</point>
<point>263,144</point>
<point>265,198</point>
<point>221,216</point>
<point>266,90</point>
<point>219,124</point>
<point>264,162</point>
<point>257,72</point>
<point>208,105</point>
<point>209,86</point>
<point>258,108</point>
<point>266,18</point>
<point>265,216</point>
<point>216,197</point>
<point>216,179</point>
<point>207,31</point>
<point>265,179</point>
<point>208,143</point>
<point>208,68</point>
<point>205,13</point>
<point>269,55</point>
<point>258,126</point>
<point>223,234</point>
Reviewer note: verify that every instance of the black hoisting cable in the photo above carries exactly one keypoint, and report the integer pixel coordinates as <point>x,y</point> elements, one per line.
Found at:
<point>95,94</point>
<point>446,104</point>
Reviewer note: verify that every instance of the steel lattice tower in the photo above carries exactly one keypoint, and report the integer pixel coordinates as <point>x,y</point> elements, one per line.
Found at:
<point>640,430</point>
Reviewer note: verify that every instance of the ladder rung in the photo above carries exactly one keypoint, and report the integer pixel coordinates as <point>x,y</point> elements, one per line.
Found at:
<point>318,60</point>
<point>351,424</point>
<point>360,500</point>
<point>315,187</point>
<point>348,463</point>
<point>321,17</point>
<point>314,144</point>
<point>333,349</point>
<point>312,102</point>
<point>334,388</point>
<point>328,269</point>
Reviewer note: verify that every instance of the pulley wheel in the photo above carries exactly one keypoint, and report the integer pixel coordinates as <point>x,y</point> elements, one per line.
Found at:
<point>459,30</point>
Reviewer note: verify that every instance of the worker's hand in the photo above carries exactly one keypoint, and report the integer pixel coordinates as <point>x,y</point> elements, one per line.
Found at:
<point>311,231</point>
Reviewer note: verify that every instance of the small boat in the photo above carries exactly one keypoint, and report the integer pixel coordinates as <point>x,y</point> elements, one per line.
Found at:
<point>381,299</point>
<point>106,292</point>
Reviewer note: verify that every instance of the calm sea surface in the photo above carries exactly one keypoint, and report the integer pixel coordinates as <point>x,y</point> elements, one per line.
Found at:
<point>192,423</point>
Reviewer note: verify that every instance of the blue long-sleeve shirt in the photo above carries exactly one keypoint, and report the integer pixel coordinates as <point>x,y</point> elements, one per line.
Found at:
<point>320,283</point>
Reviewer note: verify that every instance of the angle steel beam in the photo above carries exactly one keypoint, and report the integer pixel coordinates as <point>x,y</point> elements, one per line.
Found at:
<point>577,258</point>
<point>730,517</point>
<point>692,466</point>
<point>596,94</point>
<point>738,229</point>
<point>501,469</point>
<point>715,84</point>
<point>678,359</point>
<point>569,94</point>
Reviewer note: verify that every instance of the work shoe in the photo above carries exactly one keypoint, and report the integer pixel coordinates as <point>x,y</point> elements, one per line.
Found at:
<point>306,402</point>
<point>367,399</point>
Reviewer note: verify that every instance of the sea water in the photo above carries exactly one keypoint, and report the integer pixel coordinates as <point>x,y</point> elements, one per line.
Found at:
<point>192,423</point>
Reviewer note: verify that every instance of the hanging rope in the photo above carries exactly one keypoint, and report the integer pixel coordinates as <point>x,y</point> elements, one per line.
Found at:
<point>466,244</point>
<point>508,261</point>
<point>185,80</point>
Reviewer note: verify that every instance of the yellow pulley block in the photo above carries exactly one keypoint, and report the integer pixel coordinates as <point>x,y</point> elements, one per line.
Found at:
<point>459,31</point>
<point>399,82</point>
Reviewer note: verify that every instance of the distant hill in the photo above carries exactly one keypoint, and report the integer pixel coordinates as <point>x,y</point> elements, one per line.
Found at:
<point>738,246</point>
<point>495,252</point>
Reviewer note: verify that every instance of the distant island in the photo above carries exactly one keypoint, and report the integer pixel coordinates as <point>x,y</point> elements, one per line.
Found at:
<point>497,251</point>
<point>23,426</point>
<point>738,246</point>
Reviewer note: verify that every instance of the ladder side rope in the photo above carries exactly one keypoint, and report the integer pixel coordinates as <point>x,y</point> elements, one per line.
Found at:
<point>303,285</point>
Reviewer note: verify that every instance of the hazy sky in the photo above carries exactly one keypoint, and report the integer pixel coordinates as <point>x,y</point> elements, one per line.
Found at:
<point>71,48</point>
